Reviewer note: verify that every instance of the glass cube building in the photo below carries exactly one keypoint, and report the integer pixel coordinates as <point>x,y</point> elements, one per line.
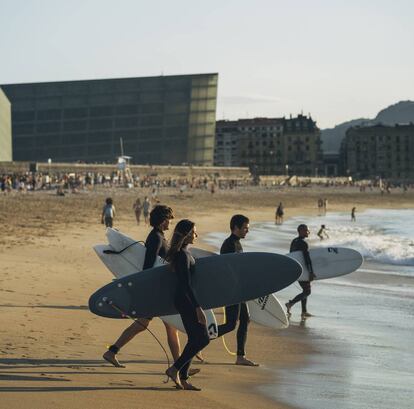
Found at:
<point>161,120</point>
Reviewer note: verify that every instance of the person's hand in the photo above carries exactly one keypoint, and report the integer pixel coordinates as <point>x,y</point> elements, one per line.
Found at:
<point>201,317</point>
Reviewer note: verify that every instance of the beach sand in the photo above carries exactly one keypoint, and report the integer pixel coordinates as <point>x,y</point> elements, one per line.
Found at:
<point>51,345</point>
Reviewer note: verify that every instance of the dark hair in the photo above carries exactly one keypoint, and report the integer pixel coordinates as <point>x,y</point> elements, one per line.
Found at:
<point>237,221</point>
<point>108,200</point>
<point>302,226</point>
<point>181,231</point>
<point>160,213</point>
<point>323,226</point>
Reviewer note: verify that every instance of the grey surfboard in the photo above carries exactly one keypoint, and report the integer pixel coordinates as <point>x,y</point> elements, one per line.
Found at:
<point>217,281</point>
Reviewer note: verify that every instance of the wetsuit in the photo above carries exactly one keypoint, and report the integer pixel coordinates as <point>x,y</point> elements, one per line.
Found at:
<point>237,311</point>
<point>299,244</point>
<point>156,245</point>
<point>186,303</point>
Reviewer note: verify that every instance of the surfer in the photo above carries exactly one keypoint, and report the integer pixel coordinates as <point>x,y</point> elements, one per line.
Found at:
<point>322,234</point>
<point>185,301</point>
<point>108,213</point>
<point>353,218</point>
<point>239,226</point>
<point>156,245</point>
<point>299,244</point>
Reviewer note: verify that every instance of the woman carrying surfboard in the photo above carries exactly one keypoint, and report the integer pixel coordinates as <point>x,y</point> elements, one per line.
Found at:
<point>185,301</point>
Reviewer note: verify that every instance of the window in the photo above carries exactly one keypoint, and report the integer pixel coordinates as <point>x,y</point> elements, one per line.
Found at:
<point>100,111</point>
<point>75,126</point>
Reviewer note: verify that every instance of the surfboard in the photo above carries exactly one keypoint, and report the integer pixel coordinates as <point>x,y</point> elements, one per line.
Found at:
<point>267,311</point>
<point>218,281</point>
<point>120,267</point>
<point>329,262</point>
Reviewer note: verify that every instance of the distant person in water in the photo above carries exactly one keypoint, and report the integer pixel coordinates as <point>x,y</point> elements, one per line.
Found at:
<point>322,234</point>
<point>353,218</point>
<point>299,244</point>
<point>108,213</point>
<point>279,214</point>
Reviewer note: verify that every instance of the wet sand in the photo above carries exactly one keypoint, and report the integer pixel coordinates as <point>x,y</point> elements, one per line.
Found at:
<point>51,345</point>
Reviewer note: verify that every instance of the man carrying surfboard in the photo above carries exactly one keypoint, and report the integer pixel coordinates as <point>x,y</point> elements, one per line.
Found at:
<point>299,244</point>
<point>239,226</point>
<point>156,245</point>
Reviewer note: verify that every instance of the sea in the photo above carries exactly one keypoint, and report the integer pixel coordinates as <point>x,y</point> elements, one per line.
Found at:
<point>362,329</point>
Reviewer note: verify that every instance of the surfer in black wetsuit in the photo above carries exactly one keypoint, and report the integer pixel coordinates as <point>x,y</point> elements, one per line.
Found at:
<point>299,244</point>
<point>192,315</point>
<point>239,226</point>
<point>156,245</point>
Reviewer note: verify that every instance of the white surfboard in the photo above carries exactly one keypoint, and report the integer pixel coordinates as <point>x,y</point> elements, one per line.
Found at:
<point>267,311</point>
<point>121,266</point>
<point>329,262</point>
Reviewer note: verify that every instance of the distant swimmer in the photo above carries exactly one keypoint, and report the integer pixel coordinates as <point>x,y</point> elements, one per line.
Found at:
<point>108,213</point>
<point>299,244</point>
<point>156,245</point>
<point>279,214</point>
<point>183,265</point>
<point>353,218</point>
<point>239,226</point>
<point>322,234</point>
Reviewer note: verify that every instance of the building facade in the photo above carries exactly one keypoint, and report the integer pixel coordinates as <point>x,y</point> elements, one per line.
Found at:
<point>379,151</point>
<point>161,120</point>
<point>270,146</point>
<point>5,129</point>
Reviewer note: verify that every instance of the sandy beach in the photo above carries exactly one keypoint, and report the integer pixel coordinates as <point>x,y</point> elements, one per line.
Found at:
<point>51,345</point>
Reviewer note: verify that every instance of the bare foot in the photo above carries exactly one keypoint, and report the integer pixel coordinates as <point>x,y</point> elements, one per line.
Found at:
<point>189,387</point>
<point>110,357</point>
<point>306,315</point>
<point>288,306</point>
<point>241,360</point>
<point>193,371</point>
<point>200,357</point>
<point>172,374</point>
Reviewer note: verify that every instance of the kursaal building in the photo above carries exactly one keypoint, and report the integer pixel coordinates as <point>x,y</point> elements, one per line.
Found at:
<point>161,120</point>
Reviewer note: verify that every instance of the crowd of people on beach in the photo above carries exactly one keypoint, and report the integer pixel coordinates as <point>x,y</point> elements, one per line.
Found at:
<point>74,182</point>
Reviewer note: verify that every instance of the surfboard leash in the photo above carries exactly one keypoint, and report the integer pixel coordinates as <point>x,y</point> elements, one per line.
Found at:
<point>222,338</point>
<point>125,248</point>
<point>115,307</point>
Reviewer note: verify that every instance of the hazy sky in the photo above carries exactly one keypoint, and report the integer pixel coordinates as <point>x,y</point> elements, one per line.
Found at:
<point>337,60</point>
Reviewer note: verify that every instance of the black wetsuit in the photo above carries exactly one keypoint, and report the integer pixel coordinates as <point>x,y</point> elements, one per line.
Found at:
<point>299,244</point>
<point>156,245</point>
<point>238,311</point>
<point>186,303</point>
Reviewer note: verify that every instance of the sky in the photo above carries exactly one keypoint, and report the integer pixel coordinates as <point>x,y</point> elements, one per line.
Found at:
<point>337,60</point>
